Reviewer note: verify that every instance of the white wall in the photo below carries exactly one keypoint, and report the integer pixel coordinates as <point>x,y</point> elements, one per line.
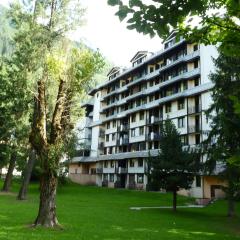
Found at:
<point>207,64</point>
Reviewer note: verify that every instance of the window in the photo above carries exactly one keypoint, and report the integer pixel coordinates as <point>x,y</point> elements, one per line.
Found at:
<point>139,178</point>
<point>105,164</point>
<point>114,123</point>
<point>141,117</point>
<point>113,137</point>
<point>105,177</point>
<point>180,104</point>
<point>196,81</point>
<point>140,163</point>
<point>195,47</point>
<point>108,125</point>
<point>107,137</point>
<point>133,132</point>
<point>112,164</point>
<point>111,177</point>
<point>198,181</point>
<point>141,131</point>
<point>168,107</point>
<point>181,122</point>
<point>134,118</point>
<point>151,69</point>
<point>185,86</point>
<point>196,64</point>
<point>76,171</point>
<point>131,163</point>
<point>184,140</point>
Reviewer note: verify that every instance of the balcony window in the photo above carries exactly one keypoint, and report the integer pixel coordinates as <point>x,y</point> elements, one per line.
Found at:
<point>112,164</point>
<point>168,107</point>
<point>141,117</point>
<point>107,138</point>
<point>105,177</point>
<point>180,104</point>
<point>114,123</point>
<point>105,164</point>
<point>113,137</point>
<point>131,163</point>
<point>141,131</point>
<point>196,64</point>
<point>139,178</point>
<point>181,122</point>
<point>111,177</point>
<point>184,140</point>
<point>140,162</point>
<point>133,118</point>
<point>133,132</point>
<point>108,125</point>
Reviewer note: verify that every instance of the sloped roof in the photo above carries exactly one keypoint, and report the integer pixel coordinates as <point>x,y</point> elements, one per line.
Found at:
<point>138,54</point>
<point>113,70</point>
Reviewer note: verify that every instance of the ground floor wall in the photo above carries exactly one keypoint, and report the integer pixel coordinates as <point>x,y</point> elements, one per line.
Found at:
<point>136,178</point>
<point>83,179</point>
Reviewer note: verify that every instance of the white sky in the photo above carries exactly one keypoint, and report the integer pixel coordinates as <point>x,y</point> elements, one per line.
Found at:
<point>103,30</point>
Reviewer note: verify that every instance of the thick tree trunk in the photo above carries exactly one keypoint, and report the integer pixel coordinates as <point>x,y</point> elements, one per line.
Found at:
<point>231,208</point>
<point>8,179</point>
<point>174,200</point>
<point>22,195</point>
<point>47,208</point>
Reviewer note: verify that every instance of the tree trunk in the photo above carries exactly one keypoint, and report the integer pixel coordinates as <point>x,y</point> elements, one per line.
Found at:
<point>8,179</point>
<point>22,195</point>
<point>174,200</point>
<point>47,207</point>
<point>231,207</point>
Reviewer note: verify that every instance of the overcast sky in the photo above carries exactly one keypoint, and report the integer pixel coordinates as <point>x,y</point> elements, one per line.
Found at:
<point>103,30</point>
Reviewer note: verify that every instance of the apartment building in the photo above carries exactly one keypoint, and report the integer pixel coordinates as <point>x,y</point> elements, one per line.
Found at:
<point>129,106</point>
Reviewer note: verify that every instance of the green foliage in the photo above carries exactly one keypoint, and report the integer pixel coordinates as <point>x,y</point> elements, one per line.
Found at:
<point>173,168</point>
<point>224,139</point>
<point>199,20</point>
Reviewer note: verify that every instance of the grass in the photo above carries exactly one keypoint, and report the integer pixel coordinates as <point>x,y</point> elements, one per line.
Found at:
<point>88,213</point>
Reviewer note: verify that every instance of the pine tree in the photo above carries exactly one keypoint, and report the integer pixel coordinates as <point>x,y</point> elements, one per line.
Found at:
<point>174,168</point>
<point>224,139</point>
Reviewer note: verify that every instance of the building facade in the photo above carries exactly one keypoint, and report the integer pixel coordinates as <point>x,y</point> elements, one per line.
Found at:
<point>129,106</point>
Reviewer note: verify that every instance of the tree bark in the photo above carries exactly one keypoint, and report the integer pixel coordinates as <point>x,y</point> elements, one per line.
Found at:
<point>8,179</point>
<point>47,207</point>
<point>231,207</point>
<point>174,200</point>
<point>22,195</point>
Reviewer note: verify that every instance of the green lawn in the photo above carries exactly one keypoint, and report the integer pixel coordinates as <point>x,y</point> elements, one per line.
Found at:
<point>98,213</point>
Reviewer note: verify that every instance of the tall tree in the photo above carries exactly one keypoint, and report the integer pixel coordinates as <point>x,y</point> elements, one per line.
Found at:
<point>224,138</point>
<point>174,168</point>
<point>59,74</point>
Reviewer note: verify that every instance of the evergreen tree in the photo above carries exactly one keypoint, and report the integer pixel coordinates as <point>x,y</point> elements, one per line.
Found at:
<point>224,138</point>
<point>174,168</point>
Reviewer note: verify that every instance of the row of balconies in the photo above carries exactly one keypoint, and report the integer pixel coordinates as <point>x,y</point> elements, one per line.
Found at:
<point>156,102</point>
<point>149,75</point>
<point>118,170</point>
<point>152,136</point>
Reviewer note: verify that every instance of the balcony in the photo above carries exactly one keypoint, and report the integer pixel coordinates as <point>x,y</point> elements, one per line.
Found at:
<point>99,170</point>
<point>152,136</point>
<point>101,146</point>
<point>194,128</point>
<point>122,170</point>
<point>123,128</point>
<point>154,119</point>
<point>102,133</point>
<point>123,141</point>
<point>195,109</point>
